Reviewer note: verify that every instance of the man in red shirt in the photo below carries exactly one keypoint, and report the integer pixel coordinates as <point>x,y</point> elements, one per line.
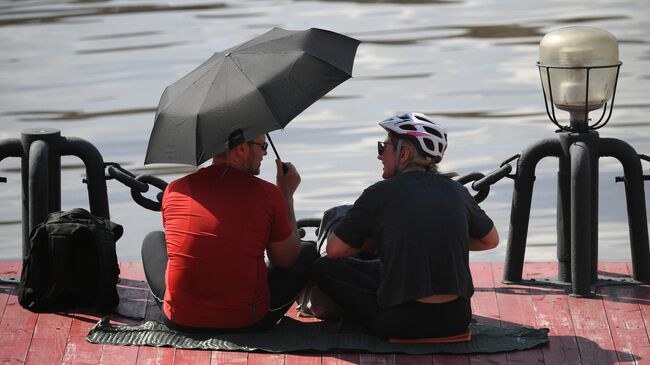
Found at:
<point>208,268</point>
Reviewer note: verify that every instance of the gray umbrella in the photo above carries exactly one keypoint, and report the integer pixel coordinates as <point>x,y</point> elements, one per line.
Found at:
<point>256,87</point>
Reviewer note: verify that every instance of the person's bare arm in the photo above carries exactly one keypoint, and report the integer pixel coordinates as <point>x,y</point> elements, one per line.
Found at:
<point>336,247</point>
<point>284,253</point>
<point>487,242</point>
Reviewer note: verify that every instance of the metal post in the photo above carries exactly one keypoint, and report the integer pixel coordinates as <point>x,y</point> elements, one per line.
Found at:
<point>37,185</point>
<point>92,159</point>
<point>521,202</point>
<point>52,138</point>
<point>580,218</point>
<point>636,209</point>
<point>10,147</point>
<point>564,216</point>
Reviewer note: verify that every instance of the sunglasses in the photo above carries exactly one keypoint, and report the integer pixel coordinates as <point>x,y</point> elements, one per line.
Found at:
<point>263,146</point>
<point>381,147</point>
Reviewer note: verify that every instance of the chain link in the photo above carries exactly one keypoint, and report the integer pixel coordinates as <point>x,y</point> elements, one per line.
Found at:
<point>138,184</point>
<point>481,183</point>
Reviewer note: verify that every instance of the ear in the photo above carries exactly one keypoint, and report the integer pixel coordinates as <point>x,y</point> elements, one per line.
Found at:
<point>239,151</point>
<point>405,154</point>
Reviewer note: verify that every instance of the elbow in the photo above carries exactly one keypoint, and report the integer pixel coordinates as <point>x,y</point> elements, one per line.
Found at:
<point>336,248</point>
<point>487,242</point>
<point>334,252</point>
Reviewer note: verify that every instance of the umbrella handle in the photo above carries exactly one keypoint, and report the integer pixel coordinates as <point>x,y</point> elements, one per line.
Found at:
<point>284,166</point>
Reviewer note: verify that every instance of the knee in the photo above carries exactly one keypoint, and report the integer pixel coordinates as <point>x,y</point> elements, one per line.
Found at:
<point>154,245</point>
<point>154,238</point>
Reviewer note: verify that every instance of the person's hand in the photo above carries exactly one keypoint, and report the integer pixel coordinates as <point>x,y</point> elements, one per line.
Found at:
<point>287,182</point>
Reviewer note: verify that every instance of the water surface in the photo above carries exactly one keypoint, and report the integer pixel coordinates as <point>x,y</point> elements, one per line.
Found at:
<point>96,70</point>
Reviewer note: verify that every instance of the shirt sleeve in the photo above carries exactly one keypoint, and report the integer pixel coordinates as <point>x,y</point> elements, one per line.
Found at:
<point>359,220</point>
<point>479,222</point>
<point>280,226</point>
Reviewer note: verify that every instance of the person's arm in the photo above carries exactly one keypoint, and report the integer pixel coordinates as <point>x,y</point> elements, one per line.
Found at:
<point>487,242</point>
<point>336,247</point>
<point>284,253</point>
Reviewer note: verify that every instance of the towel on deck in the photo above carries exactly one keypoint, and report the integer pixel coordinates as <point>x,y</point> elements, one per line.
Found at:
<point>291,335</point>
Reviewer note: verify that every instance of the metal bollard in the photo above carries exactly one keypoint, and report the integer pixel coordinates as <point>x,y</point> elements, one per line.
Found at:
<point>40,150</point>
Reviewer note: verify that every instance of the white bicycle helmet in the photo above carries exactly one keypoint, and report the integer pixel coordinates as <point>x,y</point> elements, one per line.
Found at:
<point>430,136</point>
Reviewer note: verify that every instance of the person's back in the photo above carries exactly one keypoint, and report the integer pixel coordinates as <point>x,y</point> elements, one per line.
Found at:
<point>208,269</point>
<point>422,225</point>
<point>422,237</point>
<point>218,223</point>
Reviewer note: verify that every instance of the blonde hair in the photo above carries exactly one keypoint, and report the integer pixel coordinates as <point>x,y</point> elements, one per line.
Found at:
<point>419,159</point>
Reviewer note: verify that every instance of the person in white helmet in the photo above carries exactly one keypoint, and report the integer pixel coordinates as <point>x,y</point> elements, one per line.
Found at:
<point>422,225</point>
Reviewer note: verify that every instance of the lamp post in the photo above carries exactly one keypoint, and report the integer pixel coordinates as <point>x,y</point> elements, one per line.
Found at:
<point>579,70</point>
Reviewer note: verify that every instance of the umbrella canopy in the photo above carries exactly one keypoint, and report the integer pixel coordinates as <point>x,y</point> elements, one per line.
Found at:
<point>255,87</point>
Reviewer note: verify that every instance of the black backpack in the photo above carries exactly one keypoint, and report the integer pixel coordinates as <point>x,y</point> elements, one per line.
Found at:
<point>72,263</point>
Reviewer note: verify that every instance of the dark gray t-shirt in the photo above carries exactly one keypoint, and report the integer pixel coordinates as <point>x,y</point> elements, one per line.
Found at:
<point>421,224</point>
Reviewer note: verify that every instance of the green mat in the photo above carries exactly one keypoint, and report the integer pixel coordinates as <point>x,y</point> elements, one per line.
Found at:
<point>295,336</point>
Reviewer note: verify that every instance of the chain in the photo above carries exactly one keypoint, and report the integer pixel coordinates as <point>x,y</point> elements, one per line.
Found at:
<point>481,183</point>
<point>138,184</point>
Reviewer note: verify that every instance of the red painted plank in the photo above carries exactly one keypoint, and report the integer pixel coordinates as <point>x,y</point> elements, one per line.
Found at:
<point>192,357</point>
<point>133,303</point>
<point>119,355</point>
<point>132,270</point>
<point>401,359</point>
<point>592,331</point>
<point>229,358</point>
<point>376,359</point>
<point>149,355</point>
<point>49,340</point>
<point>454,360</point>
<point>265,359</point>
<point>552,311</point>
<point>340,359</point>
<point>624,316</point>
<point>485,310</point>
<point>516,308</point>
<point>16,329</point>
<point>78,350</point>
<point>642,295</point>
<point>9,270</point>
<point>302,359</point>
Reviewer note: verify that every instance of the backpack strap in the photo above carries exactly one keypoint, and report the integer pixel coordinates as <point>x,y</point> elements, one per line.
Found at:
<point>60,252</point>
<point>109,271</point>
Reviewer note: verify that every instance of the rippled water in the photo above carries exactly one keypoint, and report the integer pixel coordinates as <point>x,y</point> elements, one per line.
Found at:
<point>96,69</point>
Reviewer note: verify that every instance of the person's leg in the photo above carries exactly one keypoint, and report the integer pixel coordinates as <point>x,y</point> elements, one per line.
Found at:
<point>352,284</point>
<point>154,261</point>
<point>285,284</point>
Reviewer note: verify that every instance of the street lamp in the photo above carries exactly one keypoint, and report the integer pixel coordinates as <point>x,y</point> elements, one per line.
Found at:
<point>579,70</point>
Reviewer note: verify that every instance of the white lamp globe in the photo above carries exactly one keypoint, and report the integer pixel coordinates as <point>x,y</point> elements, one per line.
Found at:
<point>567,56</point>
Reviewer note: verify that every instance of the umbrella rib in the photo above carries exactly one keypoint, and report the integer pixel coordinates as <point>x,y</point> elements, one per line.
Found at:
<point>193,83</point>
<point>275,117</point>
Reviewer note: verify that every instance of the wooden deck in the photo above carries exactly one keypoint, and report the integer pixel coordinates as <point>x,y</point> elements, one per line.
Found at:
<point>609,329</point>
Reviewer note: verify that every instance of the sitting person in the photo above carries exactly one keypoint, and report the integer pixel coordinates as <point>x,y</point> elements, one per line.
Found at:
<point>208,269</point>
<point>422,225</point>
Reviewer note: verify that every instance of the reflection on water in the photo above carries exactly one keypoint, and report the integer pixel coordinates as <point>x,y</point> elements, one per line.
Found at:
<point>45,115</point>
<point>52,15</point>
<point>96,70</point>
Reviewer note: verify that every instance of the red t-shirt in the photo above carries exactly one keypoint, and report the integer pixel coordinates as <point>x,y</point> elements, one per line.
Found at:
<point>218,222</point>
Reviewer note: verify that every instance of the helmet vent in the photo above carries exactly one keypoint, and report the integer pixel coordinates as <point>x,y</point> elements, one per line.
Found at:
<point>429,144</point>
<point>422,119</point>
<point>432,131</point>
<point>409,127</point>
